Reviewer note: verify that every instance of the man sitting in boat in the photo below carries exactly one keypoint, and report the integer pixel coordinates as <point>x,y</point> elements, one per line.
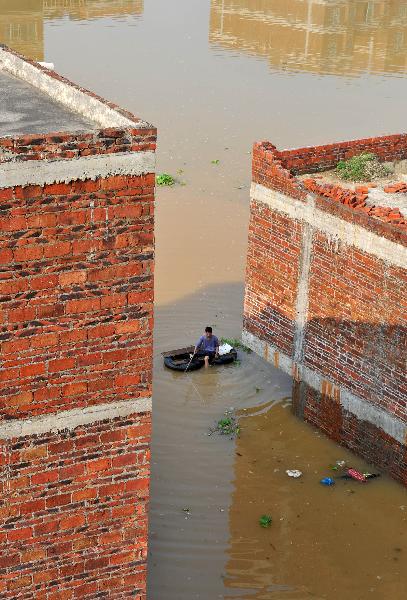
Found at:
<point>207,346</point>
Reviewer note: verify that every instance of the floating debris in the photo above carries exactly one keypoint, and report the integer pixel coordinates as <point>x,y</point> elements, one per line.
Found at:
<point>227,426</point>
<point>327,481</point>
<point>265,521</point>
<point>358,476</point>
<point>164,179</point>
<point>294,473</point>
<point>340,464</point>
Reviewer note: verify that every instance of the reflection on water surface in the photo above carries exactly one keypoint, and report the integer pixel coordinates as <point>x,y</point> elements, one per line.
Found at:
<point>22,21</point>
<point>22,27</point>
<point>342,37</point>
<point>91,9</point>
<point>273,70</point>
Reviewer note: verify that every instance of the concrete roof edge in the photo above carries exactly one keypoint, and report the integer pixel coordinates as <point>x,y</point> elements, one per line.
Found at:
<point>61,90</point>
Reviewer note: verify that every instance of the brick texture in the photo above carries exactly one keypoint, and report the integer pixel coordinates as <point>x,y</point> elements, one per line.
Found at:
<point>76,145</point>
<point>357,200</point>
<point>272,265</point>
<point>74,512</point>
<point>363,438</point>
<point>76,308</point>
<point>76,294</point>
<point>355,333</point>
<point>355,330</point>
<point>278,169</point>
<point>76,323</point>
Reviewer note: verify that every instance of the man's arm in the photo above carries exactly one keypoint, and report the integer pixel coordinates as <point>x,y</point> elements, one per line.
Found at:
<point>217,347</point>
<point>198,344</point>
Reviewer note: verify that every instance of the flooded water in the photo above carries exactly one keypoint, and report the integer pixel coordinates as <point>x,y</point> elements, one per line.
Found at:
<point>215,76</point>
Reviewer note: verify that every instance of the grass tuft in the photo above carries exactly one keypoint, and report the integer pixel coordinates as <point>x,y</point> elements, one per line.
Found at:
<point>363,167</point>
<point>236,344</point>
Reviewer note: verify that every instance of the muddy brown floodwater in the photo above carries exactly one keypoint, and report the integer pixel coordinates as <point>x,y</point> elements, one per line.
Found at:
<point>214,76</point>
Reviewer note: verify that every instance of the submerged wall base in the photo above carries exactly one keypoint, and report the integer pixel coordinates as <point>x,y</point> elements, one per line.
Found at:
<point>347,419</point>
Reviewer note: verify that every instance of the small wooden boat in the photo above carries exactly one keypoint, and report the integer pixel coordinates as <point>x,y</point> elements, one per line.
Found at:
<point>178,360</point>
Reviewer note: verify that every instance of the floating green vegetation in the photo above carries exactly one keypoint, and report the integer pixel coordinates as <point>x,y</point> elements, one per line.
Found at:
<point>236,344</point>
<point>363,167</point>
<point>164,179</point>
<point>265,521</point>
<point>228,425</point>
<point>216,161</point>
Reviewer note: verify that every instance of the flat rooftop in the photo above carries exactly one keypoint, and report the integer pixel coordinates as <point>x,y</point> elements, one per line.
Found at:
<point>24,109</point>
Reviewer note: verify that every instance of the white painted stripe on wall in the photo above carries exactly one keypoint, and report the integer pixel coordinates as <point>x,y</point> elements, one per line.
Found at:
<point>301,307</point>
<point>63,93</point>
<point>338,229</point>
<point>360,408</point>
<point>67,420</point>
<point>41,172</point>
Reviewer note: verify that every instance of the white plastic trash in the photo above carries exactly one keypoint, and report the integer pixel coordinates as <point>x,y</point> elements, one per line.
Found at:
<point>225,349</point>
<point>294,473</point>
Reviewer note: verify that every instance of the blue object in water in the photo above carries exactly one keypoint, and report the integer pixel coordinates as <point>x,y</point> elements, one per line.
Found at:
<point>327,481</point>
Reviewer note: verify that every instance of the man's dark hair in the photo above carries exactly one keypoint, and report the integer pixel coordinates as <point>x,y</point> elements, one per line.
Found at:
<point>208,329</point>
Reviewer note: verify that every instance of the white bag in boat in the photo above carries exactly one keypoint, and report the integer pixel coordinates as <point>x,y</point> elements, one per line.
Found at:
<point>225,349</point>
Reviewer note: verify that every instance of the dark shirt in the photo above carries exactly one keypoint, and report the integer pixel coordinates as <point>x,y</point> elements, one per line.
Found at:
<point>205,344</point>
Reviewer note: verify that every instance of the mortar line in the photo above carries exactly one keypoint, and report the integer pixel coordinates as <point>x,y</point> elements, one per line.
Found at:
<point>67,420</point>
<point>43,172</point>
<point>302,302</point>
<point>335,228</point>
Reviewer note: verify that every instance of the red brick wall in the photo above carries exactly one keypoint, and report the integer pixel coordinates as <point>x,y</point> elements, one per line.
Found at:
<point>272,266</point>
<point>355,333</point>
<point>320,158</point>
<point>76,323</point>
<point>76,294</point>
<point>75,145</point>
<point>269,169</point>
<point>363,438</point>
<point>74,512</point>
<point>76,309</point>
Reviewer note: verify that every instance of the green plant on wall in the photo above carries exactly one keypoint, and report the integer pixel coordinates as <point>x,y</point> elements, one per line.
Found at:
<point>363,167</point>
